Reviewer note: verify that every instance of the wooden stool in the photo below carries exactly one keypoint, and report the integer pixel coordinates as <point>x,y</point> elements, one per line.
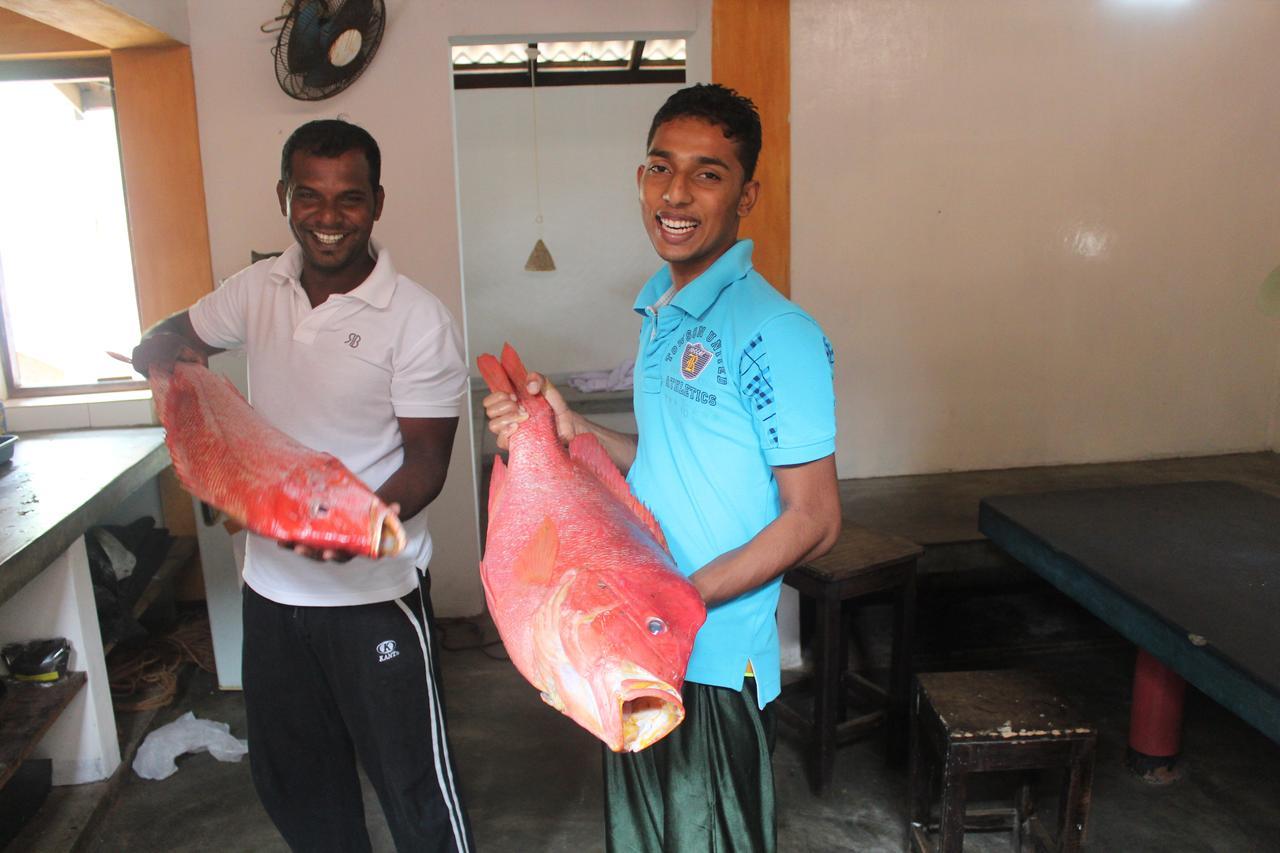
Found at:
<point>970,722</point>
<point>862,562</point>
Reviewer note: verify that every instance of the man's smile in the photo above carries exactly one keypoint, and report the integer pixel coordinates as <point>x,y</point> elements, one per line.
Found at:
<point>328,238</point>
<point>675,227</point>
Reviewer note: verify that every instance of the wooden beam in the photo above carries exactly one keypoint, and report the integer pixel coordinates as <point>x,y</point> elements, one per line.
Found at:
<point>93,20</point>
<point>163,178</point>
<point>751,52</point>
<point>23,38</point>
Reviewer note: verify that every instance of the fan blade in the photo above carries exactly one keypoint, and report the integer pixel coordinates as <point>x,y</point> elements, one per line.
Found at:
<point>353,15</point>
<point>308,41</point>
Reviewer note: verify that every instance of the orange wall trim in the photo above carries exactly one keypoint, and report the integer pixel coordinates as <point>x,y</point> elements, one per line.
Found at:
<point>94,20</point>
<point>751,52</point>
<point>163,178</point>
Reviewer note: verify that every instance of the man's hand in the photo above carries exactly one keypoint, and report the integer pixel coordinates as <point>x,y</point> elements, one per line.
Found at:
<point>505,414</point>
<point>327,555</point>
<point>162,350</point>
<point>320,555</point>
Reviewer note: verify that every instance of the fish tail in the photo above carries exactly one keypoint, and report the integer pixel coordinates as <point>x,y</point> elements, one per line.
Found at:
<point>515,369</point>
<point>494,374</point>
<point>509,376</point>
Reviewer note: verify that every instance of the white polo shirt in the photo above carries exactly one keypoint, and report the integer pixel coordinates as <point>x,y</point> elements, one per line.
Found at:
<point>335,378</point>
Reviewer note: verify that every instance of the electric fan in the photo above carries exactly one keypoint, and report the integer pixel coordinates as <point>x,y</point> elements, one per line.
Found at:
<point>324,45</point>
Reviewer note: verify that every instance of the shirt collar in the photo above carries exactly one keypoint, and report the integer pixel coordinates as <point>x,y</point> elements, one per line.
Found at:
<point>700,294</point>
<point>376,290</point>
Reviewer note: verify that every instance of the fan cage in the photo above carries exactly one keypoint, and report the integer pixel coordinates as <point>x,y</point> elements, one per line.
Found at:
<point>294,83</point>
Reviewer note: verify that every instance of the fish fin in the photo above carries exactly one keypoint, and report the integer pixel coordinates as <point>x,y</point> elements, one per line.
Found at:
<point>587,450</point>
<point>497,482</point>
<point>484,583</point>
<point>494,374</point>
<point>538,559</point>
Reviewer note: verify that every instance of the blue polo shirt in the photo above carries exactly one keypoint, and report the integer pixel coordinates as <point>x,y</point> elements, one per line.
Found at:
<point>731,379</point>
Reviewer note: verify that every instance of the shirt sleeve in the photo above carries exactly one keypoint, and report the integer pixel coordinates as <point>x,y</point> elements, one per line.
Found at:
<point>430,377</point>
<point>220,318</point>
<point>787,370</point>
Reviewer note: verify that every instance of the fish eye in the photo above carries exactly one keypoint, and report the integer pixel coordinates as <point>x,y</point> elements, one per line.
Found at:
<point>657,626</point>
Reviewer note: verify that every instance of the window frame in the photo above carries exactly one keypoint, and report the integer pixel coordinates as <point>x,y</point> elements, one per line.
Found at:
<point>78,68</point>
<point>549,73</point>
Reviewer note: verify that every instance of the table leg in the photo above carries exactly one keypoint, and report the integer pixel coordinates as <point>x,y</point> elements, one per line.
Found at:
<point>951,821</point>
<point>904,615</point>
<point>827,688</point>
<point>1155,722</point>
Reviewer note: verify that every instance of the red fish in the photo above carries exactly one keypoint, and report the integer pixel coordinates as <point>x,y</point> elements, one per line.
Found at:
<point>228,456</point>
<point>585,595</point>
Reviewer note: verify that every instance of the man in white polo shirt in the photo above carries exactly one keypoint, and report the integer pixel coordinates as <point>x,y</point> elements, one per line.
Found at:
<point>349,357</point>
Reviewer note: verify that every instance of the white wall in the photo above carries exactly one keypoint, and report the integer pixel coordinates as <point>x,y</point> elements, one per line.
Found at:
<point>405,100</point>
<point>590,140</point>
<point>168,16</point>
<point>1035,232</point>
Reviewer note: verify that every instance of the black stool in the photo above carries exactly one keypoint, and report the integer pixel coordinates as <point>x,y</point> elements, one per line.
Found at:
<point>970,722</point>
<point>861,563</point>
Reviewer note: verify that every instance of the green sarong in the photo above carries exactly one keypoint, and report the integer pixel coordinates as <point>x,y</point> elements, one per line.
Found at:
<point>705,788</point>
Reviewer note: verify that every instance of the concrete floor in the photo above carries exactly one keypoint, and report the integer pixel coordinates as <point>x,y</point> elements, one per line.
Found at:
<point>532,778</point>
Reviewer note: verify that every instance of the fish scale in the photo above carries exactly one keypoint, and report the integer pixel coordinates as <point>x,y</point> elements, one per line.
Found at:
<point>579,581</point>
<point>227,455</point>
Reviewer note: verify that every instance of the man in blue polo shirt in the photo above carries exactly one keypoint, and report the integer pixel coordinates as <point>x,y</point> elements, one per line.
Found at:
<point>736,416</point>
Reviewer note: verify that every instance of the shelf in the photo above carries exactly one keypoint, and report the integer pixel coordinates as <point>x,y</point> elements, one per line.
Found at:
<point>26,713</point>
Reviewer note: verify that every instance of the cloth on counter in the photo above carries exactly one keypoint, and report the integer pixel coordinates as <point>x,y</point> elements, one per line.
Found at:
<point>618,379</point>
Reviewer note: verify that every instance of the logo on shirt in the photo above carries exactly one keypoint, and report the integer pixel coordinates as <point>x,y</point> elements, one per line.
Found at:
<point>353,340</point>
<point>387,650</point>
<point>694,350</point>
<point>695,358</point>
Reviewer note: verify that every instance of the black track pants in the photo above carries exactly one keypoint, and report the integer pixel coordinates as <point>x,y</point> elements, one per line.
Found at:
<point>325,685</point>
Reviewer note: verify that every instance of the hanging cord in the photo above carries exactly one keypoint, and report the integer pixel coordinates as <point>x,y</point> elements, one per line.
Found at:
<point>450,629</point>
<point>532,52</point>
<point>145,676</point>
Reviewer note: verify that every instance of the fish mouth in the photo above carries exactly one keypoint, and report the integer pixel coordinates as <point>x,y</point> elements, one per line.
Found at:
<point>649,710</point>
<point>388,533</point>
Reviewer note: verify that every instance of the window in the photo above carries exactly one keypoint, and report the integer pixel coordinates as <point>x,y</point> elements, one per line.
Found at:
<point>66,275</point>
<point>568,63</point>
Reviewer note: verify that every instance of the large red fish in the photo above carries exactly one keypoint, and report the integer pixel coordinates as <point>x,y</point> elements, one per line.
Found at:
<point>579,581</point>
<point>228,456</point>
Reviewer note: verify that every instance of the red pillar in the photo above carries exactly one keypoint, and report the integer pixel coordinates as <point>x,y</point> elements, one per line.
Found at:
<point>1155,723</point>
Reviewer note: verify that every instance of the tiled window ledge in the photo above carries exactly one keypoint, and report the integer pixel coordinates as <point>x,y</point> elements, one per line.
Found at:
<point>78,411</point>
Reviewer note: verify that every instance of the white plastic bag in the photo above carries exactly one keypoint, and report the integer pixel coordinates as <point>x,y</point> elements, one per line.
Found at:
<point>155,758</point>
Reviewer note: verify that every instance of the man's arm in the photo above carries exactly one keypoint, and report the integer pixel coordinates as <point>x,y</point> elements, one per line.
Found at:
<point>806,528</point>
<point>428,444</point>
<point>172,339</point>
<point>505,414</point>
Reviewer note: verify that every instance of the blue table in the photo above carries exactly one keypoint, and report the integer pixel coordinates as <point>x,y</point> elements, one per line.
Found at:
<point>1189,572</point>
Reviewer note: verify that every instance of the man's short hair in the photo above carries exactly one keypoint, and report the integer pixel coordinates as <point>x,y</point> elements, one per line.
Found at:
<point>722,106</point>
<point>331,137</point>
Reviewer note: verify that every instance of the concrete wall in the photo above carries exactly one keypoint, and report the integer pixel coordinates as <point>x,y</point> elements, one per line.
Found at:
<point>168,16</point>
<point>591,139</point>
<point>1035,232</point>
<point>405,99</point>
